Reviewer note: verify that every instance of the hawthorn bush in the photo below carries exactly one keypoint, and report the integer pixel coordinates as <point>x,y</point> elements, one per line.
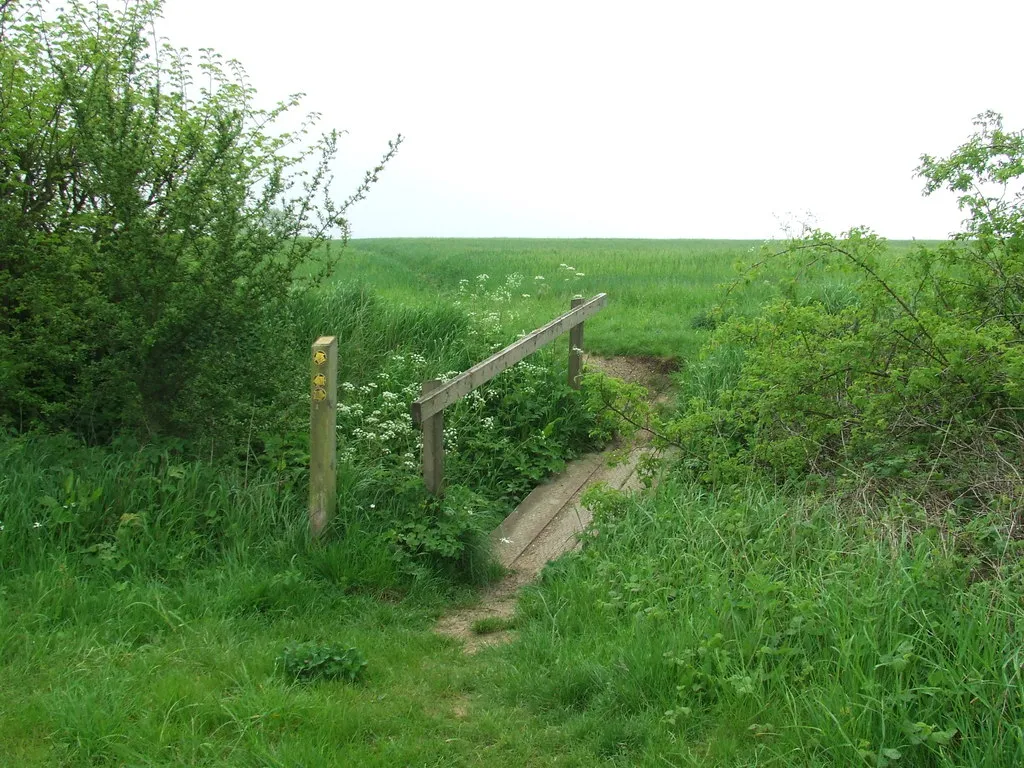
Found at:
<point>151,226</point>
<point>910,378</point>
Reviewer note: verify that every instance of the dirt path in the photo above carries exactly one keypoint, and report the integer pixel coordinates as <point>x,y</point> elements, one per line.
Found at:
<point>548,522</point>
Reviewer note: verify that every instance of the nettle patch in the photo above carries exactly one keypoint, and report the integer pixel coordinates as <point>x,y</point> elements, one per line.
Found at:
<point>306,662</point>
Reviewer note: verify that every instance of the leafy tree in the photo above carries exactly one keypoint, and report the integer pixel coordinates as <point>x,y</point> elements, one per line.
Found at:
<point>151,225</point>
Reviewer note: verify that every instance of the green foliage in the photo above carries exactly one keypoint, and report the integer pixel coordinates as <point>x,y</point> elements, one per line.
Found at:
<point>449,532</point>
<point>160,509</point>
<point>619,407</point>
<point>150,226</point>
<point>743,627</point>
<point>899,370</point>
<point>317,661</point>
<point>137,510</point>
<point>500,441</point>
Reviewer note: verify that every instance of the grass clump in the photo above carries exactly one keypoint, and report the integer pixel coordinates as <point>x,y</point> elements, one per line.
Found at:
<point>493,624</point>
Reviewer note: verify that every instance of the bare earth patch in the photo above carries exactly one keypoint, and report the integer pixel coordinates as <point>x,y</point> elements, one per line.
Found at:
<point>651,372</point>
<point>497,601</point>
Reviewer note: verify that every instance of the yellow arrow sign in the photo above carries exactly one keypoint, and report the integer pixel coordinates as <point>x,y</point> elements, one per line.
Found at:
<point>319,357</point>
<point>319,394</point>
<point>319,380</point>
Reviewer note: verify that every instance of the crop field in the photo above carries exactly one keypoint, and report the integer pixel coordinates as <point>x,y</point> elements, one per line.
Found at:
<point>658,290</point>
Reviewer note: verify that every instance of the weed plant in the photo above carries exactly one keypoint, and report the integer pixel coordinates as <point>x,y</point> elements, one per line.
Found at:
<point>311,661</point>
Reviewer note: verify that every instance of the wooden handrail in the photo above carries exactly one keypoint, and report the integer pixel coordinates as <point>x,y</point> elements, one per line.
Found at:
<point>428,410</point>
<point>456,389</point>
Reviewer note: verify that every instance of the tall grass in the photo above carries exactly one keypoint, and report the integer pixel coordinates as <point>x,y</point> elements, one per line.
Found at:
<point>749,628</point>
<point>154,512</point>
<point>147,589</point>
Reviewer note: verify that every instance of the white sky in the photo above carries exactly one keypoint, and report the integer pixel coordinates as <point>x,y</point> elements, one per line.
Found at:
<point>631,119</point>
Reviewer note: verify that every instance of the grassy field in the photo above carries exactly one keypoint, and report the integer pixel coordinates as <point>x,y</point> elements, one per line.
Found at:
<point>658,290</point>
<point>147,593</point>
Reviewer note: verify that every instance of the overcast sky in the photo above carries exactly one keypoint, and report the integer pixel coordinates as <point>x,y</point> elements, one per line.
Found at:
<point>631,119</point>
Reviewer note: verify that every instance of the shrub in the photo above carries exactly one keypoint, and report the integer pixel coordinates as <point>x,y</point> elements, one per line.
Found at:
<point>151,226</point>
<point>910,375</point>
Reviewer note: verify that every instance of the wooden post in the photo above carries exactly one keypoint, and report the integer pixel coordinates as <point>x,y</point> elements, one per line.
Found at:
<point>576,349</point>
<point>433,445</point>
<point>323,434</point>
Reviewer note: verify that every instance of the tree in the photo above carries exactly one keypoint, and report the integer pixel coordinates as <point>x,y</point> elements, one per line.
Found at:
<point>150,220</point>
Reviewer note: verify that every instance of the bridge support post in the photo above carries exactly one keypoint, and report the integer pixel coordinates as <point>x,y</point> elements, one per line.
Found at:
<point>576,349</point>
<point>433,445</point>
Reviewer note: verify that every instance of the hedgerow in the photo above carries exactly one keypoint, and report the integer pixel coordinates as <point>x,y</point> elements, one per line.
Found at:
<point>909,379</point>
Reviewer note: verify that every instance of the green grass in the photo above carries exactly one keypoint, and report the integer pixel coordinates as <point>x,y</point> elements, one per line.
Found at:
<point>184,673</point>
<point>492,624</point>
<point>143,625</point>
<point>658,290</point>
<point>655,288</point>
<point>147,591</point>
<point>142,621</point>
<point>752,628</point>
